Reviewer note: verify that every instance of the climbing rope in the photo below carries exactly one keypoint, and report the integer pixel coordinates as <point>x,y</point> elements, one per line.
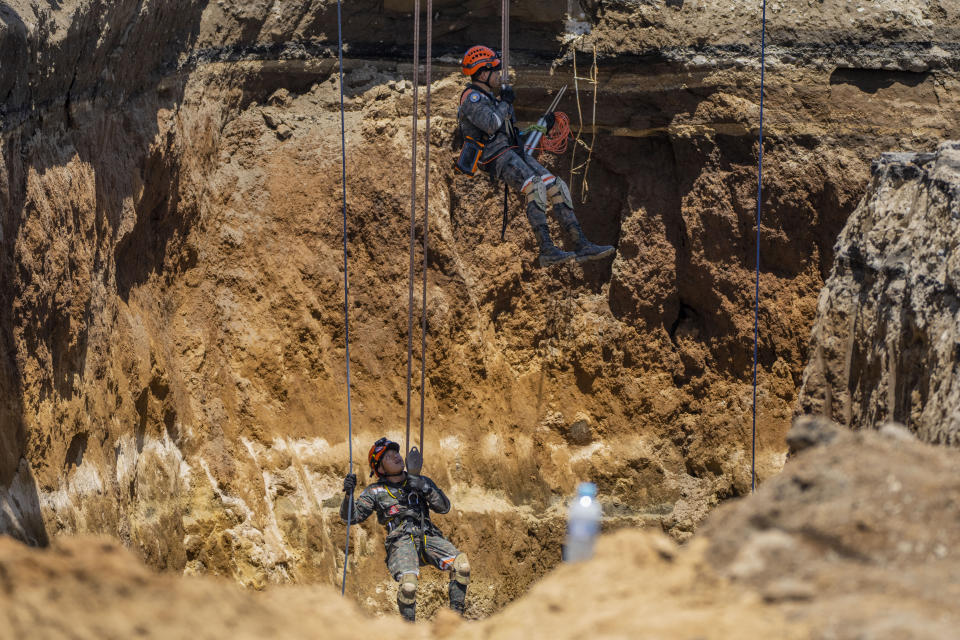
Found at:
<point>413,219</point>
<point>346,287</point>
<point>413,212</point>
<point>505,41</point>
<point>756,300</point>
<point>426,225</point>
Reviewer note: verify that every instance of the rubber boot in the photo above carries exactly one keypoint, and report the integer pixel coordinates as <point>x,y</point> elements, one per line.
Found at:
<point>458,596</point>
<point>407,610</point>
<point>549,253</point>
<point>583,248</point>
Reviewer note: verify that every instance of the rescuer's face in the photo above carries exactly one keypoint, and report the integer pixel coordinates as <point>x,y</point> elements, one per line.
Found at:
<point>392,463</point>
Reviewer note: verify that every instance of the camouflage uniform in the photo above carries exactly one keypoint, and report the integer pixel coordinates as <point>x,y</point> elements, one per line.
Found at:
<point>484,118</point>
<point>399,510</point>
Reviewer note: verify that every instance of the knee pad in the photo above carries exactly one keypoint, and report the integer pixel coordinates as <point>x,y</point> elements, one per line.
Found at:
<point>461,569</point>
<point>535,191</point>
<point>559,193</point>
<point>407,593</point>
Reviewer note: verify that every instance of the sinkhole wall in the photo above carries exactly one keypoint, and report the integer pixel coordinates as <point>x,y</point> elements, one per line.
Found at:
<point>171,370</point>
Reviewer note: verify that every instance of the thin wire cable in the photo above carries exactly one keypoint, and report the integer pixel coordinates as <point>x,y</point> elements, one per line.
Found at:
<point>346,288</point>
<point>413,211</point>
<point>756,299</point>
<point>426,224</point>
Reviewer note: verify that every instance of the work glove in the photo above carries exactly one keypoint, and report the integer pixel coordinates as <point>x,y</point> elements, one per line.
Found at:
<point>550,120</point>
<point>350,483</point>
<point>507,94</point>
<point>419,484</point>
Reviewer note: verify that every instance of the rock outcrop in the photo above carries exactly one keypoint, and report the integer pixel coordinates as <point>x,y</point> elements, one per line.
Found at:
<point>886,341</point>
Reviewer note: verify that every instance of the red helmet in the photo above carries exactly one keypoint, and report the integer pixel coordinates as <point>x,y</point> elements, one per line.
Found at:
<point>379,448</point>
<point>479,57</point>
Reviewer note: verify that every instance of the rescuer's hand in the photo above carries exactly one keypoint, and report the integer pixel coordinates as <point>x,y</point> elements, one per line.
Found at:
<point>350,483</point>
<point>550,120</point>
<point>418,484</point>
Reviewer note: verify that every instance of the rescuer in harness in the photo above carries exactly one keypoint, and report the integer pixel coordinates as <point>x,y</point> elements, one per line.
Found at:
<point>402,502</point>
<point>490,141</point>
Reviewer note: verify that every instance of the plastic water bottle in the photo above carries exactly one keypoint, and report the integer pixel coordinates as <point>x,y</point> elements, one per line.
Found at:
<point>583,523</point>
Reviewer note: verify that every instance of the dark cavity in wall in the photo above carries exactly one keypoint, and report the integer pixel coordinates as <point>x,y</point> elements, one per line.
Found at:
<point>872,80</point>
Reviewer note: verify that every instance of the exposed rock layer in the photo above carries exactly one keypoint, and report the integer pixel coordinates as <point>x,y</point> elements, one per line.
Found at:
<point>886,341</point>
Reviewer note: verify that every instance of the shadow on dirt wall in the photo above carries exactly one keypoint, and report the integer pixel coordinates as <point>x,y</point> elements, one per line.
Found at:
<point>683,201</point>
<point>103,116</point>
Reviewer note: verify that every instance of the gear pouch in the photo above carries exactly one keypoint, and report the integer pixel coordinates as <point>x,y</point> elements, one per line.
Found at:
<point>469,157</point>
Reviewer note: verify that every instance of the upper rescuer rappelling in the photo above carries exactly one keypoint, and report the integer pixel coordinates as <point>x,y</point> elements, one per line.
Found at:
<point>403,503</point>
<point>491,122</point>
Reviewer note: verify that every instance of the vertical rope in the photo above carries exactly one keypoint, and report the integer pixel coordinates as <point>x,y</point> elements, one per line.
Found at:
<point>756,299</point>
<point>426,222</point>
<point>505,42</point>
<point>346,287</point>
<point>413,210</point>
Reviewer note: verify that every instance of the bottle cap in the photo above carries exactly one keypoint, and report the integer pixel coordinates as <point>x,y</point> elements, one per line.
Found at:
<point>587,489</point>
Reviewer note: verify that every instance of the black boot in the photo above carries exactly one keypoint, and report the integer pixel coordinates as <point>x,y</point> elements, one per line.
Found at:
<point>549,253</point>
<point>407,610</point>
<point>458,596</point>
<point>584,249</point>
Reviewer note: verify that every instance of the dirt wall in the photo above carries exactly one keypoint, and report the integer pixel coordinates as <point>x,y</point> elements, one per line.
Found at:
<point>172,368</point>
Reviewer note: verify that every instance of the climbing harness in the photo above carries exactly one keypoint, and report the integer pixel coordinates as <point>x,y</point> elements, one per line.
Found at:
<point>756,300</point>
<point>346,286</point>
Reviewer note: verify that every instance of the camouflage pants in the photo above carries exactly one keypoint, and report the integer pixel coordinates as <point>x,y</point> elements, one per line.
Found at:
<point>516,168</point>
<point>404,554</point>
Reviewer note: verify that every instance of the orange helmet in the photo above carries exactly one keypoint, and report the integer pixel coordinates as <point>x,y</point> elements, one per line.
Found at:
<point>479,57</point>
<point>379,448</point>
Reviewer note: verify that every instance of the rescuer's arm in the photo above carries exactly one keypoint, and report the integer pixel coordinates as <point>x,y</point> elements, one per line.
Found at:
<point>363,505</point>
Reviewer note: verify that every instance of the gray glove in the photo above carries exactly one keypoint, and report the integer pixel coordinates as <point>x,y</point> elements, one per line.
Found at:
<point>350,483</point>
<point>419,484</point>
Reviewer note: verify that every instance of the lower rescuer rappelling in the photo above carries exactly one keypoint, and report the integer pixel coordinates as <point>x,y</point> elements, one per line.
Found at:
<point>403,502</point>
<point>491,142</point>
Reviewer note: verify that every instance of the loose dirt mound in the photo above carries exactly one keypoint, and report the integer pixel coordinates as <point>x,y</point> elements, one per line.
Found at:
<point>857,537</point>
<point>90,588</point>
